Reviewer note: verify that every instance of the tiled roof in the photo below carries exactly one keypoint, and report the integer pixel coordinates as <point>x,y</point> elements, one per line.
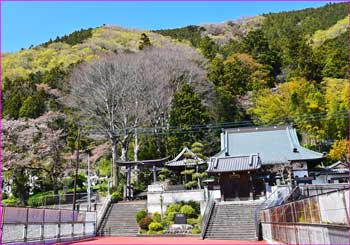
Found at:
<point>235,163</point>
<point>184,162</point>
<point>185,158</point>
<point>275,144</point>
<point>333,171</point>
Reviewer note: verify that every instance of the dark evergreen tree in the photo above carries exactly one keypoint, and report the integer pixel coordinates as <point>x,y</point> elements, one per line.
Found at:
<point>144,41</point>
<point>187,110</point>
<point>12,106</point>
<point>33,106</point>
<point>208,47</point>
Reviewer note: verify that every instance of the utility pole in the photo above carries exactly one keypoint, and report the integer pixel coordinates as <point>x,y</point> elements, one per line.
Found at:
<point>89,182</point>
<point>76,171</point>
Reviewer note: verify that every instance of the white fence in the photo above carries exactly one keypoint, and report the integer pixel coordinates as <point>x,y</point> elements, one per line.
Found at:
<point>35,225</point>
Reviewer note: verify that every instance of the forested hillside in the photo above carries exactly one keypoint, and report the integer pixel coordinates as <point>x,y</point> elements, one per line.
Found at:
<point>175,87</point>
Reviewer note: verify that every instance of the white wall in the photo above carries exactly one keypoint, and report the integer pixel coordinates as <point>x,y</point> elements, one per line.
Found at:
<point>155,194</point>
<point>332,207</point>
<point>170,197</point>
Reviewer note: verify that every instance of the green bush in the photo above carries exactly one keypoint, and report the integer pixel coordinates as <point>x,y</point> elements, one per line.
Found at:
<point>173,208</point>
<point>41,199</point>
<point>157,217</point>
<point>196,230</point>
<point>140,215</point>
<point>116,196</point>
<point>155,226</point>
<point>11,201</point>
<point>188,211</point>
<point>192,221</point>
<point>155,232</point>
<point>4,196</point>
<point>194,205</point>
<point>171,216</point>
<point>165,222</point>
<point>145,222</point>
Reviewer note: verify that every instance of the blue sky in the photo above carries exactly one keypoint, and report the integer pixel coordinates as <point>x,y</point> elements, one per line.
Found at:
<point>26,23</point>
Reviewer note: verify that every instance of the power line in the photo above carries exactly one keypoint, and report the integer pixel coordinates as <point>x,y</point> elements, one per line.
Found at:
<point>199,128</point>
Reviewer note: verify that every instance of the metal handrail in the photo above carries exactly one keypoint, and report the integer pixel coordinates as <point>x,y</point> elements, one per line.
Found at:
<point>207,214</point>
<point>102,212</point>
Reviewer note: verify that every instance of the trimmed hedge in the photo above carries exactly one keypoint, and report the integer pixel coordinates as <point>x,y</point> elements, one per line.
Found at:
<point>116,196</point>
<point>171,216</point>
<point>188,211</point>
<point>145,222</point>
<point>155,226</point>
<point>140,215</point>
<point>157,217</point>
<point>173,208</point>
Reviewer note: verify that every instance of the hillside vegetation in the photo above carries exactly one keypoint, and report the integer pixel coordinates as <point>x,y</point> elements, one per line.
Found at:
<point>73,49</point>
<point>320,36</point>
<point>153,92</point>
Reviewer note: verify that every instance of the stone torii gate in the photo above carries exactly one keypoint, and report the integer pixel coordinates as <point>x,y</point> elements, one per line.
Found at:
<point>154,164</point>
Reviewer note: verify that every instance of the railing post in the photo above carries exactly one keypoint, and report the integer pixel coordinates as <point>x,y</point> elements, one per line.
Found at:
<point>25,230</point>
<point>84,232</point>
<point>59,226</point>
<point>72,235</point>
<point>2,222</point>
<point>346,209</point>
<point>95,223</point>
<point>42,227</point>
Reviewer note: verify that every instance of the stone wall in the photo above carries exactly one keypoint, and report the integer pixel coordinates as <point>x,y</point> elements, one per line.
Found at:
<point>156,196</point>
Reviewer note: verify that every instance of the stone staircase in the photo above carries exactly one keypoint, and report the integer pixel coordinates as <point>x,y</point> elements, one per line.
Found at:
<point>233,221</point>
<point>120,219</point>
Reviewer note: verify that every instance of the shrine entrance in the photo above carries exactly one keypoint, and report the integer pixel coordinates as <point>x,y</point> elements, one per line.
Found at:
<point>235,186</point>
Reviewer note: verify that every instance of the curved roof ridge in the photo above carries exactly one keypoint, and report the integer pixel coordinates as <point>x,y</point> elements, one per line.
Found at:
<point>294,143</point>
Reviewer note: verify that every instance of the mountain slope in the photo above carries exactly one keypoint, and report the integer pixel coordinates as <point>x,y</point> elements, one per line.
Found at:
<point>103,40</point>
<point>321,36</point>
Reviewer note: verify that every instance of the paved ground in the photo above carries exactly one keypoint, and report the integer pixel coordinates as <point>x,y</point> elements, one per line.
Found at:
<point>161,240</point>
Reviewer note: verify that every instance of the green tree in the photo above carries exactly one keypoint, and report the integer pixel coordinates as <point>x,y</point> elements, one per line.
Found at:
<point>208,47</point>
<point>256,44</point>
<point>20,183</point>
<point>340,150</point>
<point>187,109</point>
<point>336,64</point>
<point>144,41</point>
<point>34,106</point>
<point>336,93</point>
<point>298,101</point>
<point>12,106</point>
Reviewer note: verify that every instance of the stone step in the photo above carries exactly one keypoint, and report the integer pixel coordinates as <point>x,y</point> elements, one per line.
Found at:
<point>232,222</point>
<point>120,219</point>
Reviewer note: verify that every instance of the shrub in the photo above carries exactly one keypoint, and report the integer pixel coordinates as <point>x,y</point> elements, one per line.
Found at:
<point>171,216</point>
<point>4,196</point>
<point>116,196</point>
<point>41,199</point>
<point>144,222</point>
<point>173,208</point>
<point>188,211</point>
<point>140,215</point>
<point>165,222</point>
<point>157,217</point>
<point>155,232</point>
<point>155,226</point>
<point>11,201</point>
<point>196,230</point>
<point>194,205</point>
<point>192,221</point>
